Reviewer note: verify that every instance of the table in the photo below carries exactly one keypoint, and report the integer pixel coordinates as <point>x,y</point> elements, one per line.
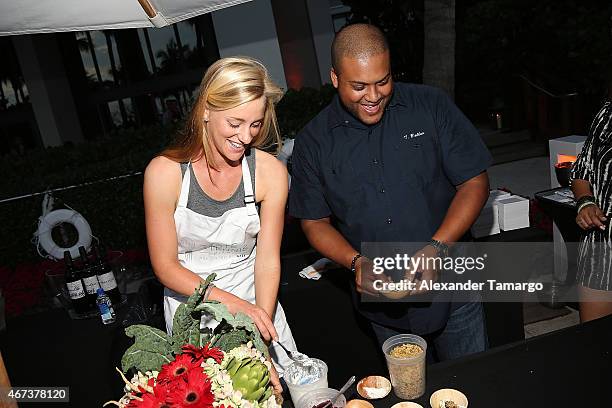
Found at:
<point>559,204</point>
<point>567,368</point>
<point>51,349</point>
<point>563,213</point>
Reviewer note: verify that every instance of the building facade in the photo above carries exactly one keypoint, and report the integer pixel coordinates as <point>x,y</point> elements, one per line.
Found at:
<point>68,87</point>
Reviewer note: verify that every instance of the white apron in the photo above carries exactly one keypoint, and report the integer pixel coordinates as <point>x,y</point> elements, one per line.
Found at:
<point>226,246</point>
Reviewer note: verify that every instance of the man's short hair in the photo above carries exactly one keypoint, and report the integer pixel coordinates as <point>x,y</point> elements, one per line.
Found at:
<point>357,41</point>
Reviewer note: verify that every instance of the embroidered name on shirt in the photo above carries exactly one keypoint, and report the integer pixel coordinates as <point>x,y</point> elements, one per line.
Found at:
<point>413,135</point>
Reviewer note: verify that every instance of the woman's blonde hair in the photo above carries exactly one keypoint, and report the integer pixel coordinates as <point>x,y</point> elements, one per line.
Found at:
<point>227,83</point>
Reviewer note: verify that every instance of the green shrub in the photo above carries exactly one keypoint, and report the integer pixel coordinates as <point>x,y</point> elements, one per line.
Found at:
<point>113,208</point>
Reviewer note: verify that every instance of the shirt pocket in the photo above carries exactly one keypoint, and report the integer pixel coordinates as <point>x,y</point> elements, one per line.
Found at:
<point>418,160</point>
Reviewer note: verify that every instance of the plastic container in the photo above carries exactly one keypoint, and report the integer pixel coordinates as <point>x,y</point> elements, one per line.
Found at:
<point>297,390</point>
<point>317,397</point>
<point>407,374</point>
<point>105,306</point>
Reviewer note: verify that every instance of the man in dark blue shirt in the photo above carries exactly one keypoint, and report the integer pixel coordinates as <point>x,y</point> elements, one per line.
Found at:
<point>389,162</point>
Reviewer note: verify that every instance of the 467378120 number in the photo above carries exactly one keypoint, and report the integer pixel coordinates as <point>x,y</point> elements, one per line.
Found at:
<point>35,394</point>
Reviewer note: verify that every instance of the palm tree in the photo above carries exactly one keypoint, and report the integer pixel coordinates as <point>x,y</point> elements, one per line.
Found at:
<point>439,44</point>
<point>171,57</point>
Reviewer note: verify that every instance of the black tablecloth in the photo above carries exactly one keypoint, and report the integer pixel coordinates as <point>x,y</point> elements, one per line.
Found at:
<point>567,368</point>
<point>49,349</point>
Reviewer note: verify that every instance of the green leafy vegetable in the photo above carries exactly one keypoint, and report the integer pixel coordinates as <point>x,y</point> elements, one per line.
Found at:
<point>153,348</point>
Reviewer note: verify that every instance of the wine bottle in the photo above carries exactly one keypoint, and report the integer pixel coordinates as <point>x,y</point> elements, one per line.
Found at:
<point>76,290</point>
<point>106,277</point>
<point>90,279</point>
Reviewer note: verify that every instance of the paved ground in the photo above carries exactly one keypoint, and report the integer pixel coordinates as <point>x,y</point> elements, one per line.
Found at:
<point>523,177</point>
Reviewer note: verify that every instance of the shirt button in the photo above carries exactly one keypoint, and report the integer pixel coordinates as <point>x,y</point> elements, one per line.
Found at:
<point>346,122</point>
<point>375,161</point>
<point>389,220</point>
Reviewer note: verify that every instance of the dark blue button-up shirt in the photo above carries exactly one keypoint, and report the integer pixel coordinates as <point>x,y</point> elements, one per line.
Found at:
<point>389,182</point>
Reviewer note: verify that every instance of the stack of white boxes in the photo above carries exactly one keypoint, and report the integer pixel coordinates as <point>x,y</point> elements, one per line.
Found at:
<point>513,213</point>
<point>502,211</point>
<point>487,222</point>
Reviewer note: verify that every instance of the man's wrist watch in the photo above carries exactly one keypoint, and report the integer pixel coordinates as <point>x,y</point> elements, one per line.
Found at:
<point>354,262</point>
<point>441,247</point>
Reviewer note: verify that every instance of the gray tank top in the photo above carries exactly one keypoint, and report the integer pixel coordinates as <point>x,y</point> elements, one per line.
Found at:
<point>202,203</point>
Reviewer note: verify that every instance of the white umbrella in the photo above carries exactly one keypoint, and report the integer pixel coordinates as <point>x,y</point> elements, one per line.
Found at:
<point>45,16</point>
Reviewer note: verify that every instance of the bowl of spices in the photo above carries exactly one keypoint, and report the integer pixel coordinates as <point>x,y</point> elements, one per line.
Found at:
<point>374,387</point>
<point>405,355</point>
<point>448,398</point>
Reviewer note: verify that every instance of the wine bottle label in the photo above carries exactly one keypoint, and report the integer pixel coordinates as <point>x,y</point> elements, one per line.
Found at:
<point>75,289</point>
<point>107,281</point>
<point>91,284</point>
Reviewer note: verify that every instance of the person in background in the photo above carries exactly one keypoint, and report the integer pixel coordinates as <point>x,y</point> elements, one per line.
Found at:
<point>391,162</point>
<point>591,181</point>
<point>214,202</point>
<point>172,114</point>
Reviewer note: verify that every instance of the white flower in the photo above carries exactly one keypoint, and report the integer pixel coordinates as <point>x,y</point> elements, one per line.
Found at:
<point>237,396</point>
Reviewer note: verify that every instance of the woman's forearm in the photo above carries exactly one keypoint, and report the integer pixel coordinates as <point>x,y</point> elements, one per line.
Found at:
<point>176,277</point>
<point>267,280</point>
<point>581,188</point>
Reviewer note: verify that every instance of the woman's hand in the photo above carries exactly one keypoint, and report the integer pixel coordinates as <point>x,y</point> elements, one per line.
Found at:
<point>259,316</point>
<point>591,216</point>
<point>275,379</point>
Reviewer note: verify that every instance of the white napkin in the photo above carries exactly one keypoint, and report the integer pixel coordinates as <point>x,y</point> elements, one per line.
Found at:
<point>314,271</point>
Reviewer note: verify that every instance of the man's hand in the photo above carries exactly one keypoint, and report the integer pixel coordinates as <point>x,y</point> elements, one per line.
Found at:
<point>364,277</point>
<point>426,272</point>
<point>591,216</point>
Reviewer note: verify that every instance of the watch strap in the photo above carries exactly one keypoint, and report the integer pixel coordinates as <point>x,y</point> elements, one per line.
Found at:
<point>354,261</point>
<point>441,247</point>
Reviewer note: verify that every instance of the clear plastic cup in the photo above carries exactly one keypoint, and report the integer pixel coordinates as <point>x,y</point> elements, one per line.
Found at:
<point>302,386</point>
<point>407,374</point>
<point>320,396</point>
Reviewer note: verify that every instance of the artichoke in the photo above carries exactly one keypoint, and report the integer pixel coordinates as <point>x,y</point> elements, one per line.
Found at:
<point>251,377</point>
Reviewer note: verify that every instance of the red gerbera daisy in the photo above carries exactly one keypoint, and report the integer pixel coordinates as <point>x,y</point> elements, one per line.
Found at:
<point>149,401</point>
<point>194,392</point>
<point>201,354</point>
<point>179,368</point>
<point>159,398</point>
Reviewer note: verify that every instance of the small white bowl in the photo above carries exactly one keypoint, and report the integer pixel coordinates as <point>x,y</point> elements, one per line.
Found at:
<point>381,384</point>
<point>358,403</point>
<point>407,404</point>
<point>448,394</point>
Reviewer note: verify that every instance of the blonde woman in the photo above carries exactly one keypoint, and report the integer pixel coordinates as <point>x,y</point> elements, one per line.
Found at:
<point>215,203</point>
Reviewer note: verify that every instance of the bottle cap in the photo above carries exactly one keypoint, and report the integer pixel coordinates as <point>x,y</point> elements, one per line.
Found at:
<point>100,291</point>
